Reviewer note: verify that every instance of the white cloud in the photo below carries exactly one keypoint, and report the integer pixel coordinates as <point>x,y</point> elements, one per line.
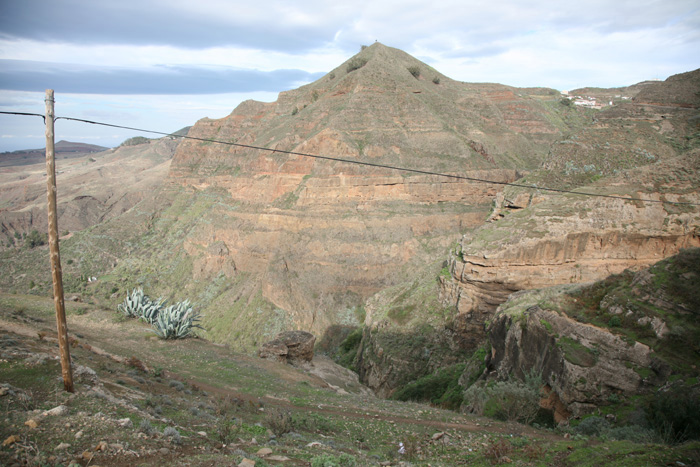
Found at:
<point>158,113</point>
<point>323,59</point>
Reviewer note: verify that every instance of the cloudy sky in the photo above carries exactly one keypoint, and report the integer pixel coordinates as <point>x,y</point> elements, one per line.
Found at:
<point>163,65</point>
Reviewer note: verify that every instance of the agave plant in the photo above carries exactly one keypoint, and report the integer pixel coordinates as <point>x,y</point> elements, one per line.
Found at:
<point>133,304</point>
<point>176,321</point>
<point>150,310</point>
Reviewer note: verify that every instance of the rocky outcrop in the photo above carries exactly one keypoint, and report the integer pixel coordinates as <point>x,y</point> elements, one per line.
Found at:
<point>603,343</point>
<point>571,240</point>
<point>583,365</point>
<point>390,357</point>
<point>536,239</point>
<point>289,347</point>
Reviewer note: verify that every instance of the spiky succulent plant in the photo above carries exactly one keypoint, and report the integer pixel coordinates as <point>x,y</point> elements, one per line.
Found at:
<point>176,321</point>
<point>133,304</point>
<point>138,305</point>
<point>151,309</point>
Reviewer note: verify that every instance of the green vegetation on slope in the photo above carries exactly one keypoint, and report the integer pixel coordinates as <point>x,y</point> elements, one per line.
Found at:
<point>157,403</point>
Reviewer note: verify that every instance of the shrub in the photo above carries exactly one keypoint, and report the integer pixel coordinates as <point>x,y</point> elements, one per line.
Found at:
<point>441,388</point>
<point>347,351</point>
<point>414,70</point>
<point>227,429</point>
<point>436,80</point>
<point>312,422</point>
<point>683,277</point>
<point>510,400</point>
<point>515,401</point>
<point>356,63</point>
<point>592,426</point>
<point>177,385</point>
<point>634,433</point>
<point>497,451</point>
<point>534,452</point>
<point>675,414</point>
<point>329,460</point>
<point>600,427</point>
<point>35,239</point>
<point>279,421</point>
<point>146,427</point>
<point>352,341</point>
<point>173,434</point>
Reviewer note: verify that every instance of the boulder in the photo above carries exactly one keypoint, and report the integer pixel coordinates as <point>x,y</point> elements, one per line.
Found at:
<point>274,350</point>
<point>289,347</point>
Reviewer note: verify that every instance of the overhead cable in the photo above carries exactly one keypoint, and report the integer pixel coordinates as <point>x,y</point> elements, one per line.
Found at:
<point>370,164</point>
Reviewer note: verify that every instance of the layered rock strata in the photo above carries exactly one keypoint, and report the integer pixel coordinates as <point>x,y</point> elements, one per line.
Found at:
<point>567,240</point>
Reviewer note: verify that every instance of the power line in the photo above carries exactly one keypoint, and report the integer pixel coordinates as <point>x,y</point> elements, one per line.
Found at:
<point>24,113</point>
<point>369,164</point>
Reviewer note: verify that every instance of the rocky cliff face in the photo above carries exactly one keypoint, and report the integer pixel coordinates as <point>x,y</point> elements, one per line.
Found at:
<point>583,365</point>
<point>598,344</point>
<point>535,240</point>
<point>602,238</point>
<point>321,236</point>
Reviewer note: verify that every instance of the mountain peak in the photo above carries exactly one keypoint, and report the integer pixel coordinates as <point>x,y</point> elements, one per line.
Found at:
<point>379,61</point>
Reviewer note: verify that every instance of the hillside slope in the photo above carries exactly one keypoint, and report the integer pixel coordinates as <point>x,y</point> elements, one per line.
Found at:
<point>62,150</point>
<point>139,400</point>
<point>92,186</point>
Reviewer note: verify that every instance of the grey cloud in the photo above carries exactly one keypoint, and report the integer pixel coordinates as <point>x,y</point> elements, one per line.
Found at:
<point>131,22</point>
<point>21,75</point>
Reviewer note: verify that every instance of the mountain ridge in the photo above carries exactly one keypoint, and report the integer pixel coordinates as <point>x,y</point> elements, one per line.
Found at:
<point>62,150</point>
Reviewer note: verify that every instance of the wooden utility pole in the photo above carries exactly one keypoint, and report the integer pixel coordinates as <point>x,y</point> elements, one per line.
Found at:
<point>56,274</point>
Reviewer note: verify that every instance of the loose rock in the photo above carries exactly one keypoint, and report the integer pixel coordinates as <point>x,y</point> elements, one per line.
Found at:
<point>10,440</point>
<point>59,411</point>
<point>31,423</point>
<point>125,422</point>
